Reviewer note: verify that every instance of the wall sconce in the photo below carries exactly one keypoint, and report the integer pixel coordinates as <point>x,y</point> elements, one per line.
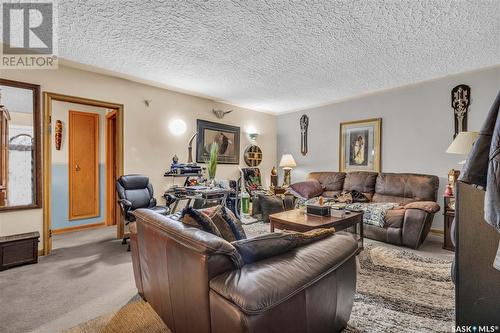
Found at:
<point>252,134</point>
<point>177,127</point>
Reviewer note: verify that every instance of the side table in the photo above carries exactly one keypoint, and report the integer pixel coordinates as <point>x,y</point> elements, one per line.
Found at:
<point>449,216</point>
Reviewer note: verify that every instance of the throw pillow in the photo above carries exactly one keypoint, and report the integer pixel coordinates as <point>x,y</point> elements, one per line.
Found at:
<point>225,223</point>
<point>273,244</point>
<point>270,204</point>
<point>232,219</point>
<point>308,189</point>
<point>197,219</point>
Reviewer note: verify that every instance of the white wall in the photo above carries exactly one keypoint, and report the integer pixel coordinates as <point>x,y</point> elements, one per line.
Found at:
<point>60,111</point>
<point>417,127</point>
<point>149,146</point>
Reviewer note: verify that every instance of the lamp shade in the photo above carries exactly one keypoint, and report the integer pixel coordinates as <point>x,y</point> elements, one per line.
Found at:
<point>463,143</point>
<point>287,161</point>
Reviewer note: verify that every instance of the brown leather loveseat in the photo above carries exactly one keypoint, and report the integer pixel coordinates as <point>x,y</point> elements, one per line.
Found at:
<point>416,193</point>
<point>191,280</point>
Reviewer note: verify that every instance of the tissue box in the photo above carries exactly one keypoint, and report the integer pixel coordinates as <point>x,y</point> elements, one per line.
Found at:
<point>318,210</point>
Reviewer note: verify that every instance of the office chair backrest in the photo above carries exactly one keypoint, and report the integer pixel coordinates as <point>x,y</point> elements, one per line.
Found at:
<point>137,189</point>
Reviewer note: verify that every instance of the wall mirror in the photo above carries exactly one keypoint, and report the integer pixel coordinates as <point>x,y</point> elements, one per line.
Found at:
<point>20,148</point>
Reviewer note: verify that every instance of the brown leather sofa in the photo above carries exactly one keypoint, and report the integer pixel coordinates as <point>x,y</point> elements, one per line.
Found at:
<point>192,281</point>
<point>416,193</point>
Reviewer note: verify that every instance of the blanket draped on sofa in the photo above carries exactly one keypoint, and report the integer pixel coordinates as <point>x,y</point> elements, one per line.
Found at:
<point>373,213</point>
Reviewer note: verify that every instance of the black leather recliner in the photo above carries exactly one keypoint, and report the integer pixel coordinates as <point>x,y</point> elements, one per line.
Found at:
<point>135,191</point>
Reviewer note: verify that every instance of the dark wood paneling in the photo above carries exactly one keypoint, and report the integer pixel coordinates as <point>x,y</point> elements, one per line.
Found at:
<point>478,283</point>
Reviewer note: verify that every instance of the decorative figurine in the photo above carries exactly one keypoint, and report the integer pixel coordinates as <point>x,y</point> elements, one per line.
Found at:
<point>452,180</point>
<point>449,191</point>
<point>175,159</point>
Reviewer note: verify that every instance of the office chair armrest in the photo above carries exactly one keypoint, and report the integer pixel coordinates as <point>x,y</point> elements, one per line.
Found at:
<point>125,203</point>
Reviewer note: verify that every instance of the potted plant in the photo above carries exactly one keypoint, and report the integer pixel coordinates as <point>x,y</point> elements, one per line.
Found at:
<point>212,163</point>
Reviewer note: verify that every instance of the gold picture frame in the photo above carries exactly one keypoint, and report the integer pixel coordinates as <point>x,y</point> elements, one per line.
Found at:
<point>360,145</point>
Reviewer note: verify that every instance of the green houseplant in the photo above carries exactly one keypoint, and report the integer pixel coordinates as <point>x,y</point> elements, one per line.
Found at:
<point>212,163</point>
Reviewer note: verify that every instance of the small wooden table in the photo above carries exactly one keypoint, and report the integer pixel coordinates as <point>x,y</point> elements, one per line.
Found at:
<point>297,220</point>
<point>449,216</point>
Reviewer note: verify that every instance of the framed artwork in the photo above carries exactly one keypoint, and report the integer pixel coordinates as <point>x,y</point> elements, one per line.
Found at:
<point>226,136</point>
<point>360,145</point>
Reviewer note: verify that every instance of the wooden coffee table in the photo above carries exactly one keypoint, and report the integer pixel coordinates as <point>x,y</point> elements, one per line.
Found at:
<point>297,220</point>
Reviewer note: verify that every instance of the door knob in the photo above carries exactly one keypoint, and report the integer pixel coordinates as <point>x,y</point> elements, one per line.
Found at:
<point>77,167</point>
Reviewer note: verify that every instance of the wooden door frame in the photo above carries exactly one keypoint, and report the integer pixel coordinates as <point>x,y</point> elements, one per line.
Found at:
<point>48,98</point>
<point>97,133</point>
<point>111,203</point>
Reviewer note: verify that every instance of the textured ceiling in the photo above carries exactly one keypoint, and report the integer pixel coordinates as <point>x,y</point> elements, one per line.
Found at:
<point>281,55</point>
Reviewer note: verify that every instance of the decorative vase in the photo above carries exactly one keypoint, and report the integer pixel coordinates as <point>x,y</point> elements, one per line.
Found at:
<point>274,177</point>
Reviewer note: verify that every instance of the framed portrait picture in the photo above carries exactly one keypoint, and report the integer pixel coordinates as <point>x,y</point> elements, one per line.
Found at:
<point>226,136</point>
<point>360,145</point>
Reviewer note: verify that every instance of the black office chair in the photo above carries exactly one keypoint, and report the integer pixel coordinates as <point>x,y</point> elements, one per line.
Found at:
<point>135,191</point>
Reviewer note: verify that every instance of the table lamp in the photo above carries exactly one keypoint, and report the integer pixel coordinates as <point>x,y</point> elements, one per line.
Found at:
<point>287,163</point>
<point>462,145</point>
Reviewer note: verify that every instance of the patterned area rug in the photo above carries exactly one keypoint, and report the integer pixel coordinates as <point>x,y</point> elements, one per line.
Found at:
<point>397,291</point>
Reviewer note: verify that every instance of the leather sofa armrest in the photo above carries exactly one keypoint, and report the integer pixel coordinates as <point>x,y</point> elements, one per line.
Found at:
<point>429,206</point>
<point>416,225</point>
<point>265,284</point>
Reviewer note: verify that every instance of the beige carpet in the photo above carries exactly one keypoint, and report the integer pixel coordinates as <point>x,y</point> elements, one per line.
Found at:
<point>397,291</point>
<point>137,316</point>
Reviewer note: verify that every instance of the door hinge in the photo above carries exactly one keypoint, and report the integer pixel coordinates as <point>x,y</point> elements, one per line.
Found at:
<point>50,233</point>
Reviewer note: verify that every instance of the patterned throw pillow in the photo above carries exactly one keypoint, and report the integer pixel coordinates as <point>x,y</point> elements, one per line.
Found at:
<point>197,219</point>
<point>276,243</point>
<point>229,226</point>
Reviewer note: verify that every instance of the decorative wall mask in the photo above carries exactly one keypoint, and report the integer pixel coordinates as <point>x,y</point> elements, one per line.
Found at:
<point>304,124</point>
<point>460,101</point>
<point>58,134</point>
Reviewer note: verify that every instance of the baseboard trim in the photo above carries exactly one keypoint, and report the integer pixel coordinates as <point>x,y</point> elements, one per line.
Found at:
<point>438,232</point>
<point>78,228</point>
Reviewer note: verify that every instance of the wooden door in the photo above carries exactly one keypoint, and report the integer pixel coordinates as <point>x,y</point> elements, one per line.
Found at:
<point>83,165</point>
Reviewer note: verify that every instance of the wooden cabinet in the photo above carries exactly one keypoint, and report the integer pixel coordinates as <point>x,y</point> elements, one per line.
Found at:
<point>477,281</point>
<point>449,216</point>
<point>18,250</point>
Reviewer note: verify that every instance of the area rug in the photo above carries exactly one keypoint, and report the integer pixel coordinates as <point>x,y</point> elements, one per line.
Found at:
<point>397,291</point>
